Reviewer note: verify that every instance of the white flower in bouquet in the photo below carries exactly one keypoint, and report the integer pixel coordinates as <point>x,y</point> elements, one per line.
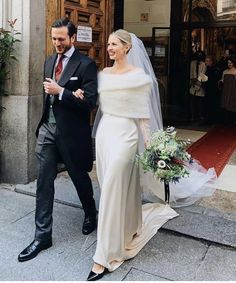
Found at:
<point>161,164</point>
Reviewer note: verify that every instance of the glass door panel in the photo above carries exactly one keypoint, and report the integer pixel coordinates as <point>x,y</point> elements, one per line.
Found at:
<point>179,74</point>
<point>160,61</point>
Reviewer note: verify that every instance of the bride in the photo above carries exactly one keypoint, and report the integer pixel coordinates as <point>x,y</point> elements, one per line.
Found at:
<point>130,107</point>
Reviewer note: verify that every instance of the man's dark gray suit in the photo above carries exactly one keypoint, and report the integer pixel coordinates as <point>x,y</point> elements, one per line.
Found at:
<point>68,140</point>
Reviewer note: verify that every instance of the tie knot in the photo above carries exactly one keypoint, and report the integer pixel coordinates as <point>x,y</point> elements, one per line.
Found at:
<point>61,57</point>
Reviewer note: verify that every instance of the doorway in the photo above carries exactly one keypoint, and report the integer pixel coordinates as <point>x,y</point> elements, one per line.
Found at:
<point>171,31</point>
<point>216,41</point>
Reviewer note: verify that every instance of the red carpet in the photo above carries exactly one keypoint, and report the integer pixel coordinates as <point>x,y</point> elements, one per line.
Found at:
<point>215,148</point>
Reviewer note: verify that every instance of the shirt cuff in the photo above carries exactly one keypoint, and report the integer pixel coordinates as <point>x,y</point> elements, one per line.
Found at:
<point>61,94</point>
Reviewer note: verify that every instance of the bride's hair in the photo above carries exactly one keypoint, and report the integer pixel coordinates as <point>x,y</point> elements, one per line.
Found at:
<point>124,36</point>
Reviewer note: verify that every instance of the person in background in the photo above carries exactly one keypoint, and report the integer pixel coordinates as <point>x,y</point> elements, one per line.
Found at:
<point>212,94</point>
<point>197,92</point>
<point>222,64</point>
<point>228,97</point>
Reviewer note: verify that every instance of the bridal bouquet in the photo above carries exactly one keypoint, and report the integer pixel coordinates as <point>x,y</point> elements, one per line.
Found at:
<point>166,156</point>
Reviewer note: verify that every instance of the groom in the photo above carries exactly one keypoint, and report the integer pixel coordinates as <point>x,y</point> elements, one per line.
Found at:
<point>63,133</point>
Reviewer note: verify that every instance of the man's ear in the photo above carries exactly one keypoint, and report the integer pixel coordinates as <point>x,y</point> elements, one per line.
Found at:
<point>73,38</point>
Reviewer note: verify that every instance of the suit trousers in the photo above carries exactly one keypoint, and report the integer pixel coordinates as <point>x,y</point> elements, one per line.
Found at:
<point>48,153</point>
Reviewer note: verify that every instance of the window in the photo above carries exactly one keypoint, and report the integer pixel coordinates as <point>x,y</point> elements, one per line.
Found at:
<point>228,5</point>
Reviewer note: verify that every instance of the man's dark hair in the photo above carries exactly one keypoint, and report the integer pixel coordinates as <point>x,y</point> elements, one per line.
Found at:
<point>65,22</point>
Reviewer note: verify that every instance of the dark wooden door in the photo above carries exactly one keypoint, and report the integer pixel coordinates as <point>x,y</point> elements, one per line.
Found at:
<point>96,14</point>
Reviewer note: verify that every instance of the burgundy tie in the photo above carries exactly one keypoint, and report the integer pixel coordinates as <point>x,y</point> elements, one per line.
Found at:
<point>59,68</point>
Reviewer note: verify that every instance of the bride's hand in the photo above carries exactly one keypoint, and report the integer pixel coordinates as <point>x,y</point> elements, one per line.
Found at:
<point>79,93</point>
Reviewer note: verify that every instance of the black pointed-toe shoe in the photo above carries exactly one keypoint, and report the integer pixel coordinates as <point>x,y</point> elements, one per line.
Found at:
<point>33,249</point>
<point>89,225</point>
<point>96,276</point>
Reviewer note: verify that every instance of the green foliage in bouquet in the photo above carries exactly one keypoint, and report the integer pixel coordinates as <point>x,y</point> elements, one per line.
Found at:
<point>166,156</point>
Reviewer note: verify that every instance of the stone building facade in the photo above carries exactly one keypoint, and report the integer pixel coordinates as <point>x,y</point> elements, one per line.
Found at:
<point>23,106</point>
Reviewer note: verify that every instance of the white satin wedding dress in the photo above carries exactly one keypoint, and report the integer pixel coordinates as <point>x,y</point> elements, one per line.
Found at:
<point>124,225</point>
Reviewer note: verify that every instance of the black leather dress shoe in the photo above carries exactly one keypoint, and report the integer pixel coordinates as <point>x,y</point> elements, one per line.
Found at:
<point>33,249</point>
<point>96,276</point>
<point>89,225</point>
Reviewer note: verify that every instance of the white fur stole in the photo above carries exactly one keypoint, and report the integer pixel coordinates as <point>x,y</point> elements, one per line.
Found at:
<point>125,95</point>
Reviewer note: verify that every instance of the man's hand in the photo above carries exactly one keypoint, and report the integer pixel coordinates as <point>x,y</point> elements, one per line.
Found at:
<point>51,87</point>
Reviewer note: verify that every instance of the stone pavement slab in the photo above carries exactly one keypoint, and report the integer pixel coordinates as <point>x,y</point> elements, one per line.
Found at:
<point>139,275</point>
<point>171,256</point>
<point>166,257</point>
<point>12,210</point>
<point>221,200</point>
<point>70,257</point>
<point>206,224</point>
<point>219,265</point>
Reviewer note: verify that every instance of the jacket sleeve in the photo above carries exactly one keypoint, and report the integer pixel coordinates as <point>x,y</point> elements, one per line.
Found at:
<point>88,85</point>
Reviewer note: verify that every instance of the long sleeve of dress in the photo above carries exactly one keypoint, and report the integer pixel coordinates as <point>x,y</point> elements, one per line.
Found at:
<point>144,125</point>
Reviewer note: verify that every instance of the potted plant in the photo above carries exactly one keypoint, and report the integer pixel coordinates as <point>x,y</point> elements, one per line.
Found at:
<point>7,47</point>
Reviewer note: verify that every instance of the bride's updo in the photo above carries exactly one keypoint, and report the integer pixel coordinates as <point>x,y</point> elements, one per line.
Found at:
<point>124,36</point>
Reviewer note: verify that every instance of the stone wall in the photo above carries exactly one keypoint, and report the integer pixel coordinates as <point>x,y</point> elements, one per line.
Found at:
<point>23,106</point>
<point>157,14</point>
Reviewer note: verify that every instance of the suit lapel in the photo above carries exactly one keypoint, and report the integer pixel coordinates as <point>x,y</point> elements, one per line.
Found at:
<point>50,66</point>
<point>70,68</point>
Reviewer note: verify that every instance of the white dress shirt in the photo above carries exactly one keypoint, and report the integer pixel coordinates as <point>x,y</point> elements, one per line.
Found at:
<point>65,60</point>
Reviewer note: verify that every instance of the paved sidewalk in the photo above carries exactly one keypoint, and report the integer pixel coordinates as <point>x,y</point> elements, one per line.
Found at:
<point>197,245</point>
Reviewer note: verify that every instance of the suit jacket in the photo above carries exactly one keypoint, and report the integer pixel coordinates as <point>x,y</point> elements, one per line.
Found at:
<point>73,114</point>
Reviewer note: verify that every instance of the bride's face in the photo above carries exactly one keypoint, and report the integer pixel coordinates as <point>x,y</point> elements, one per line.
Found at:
<point>115,48</point>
